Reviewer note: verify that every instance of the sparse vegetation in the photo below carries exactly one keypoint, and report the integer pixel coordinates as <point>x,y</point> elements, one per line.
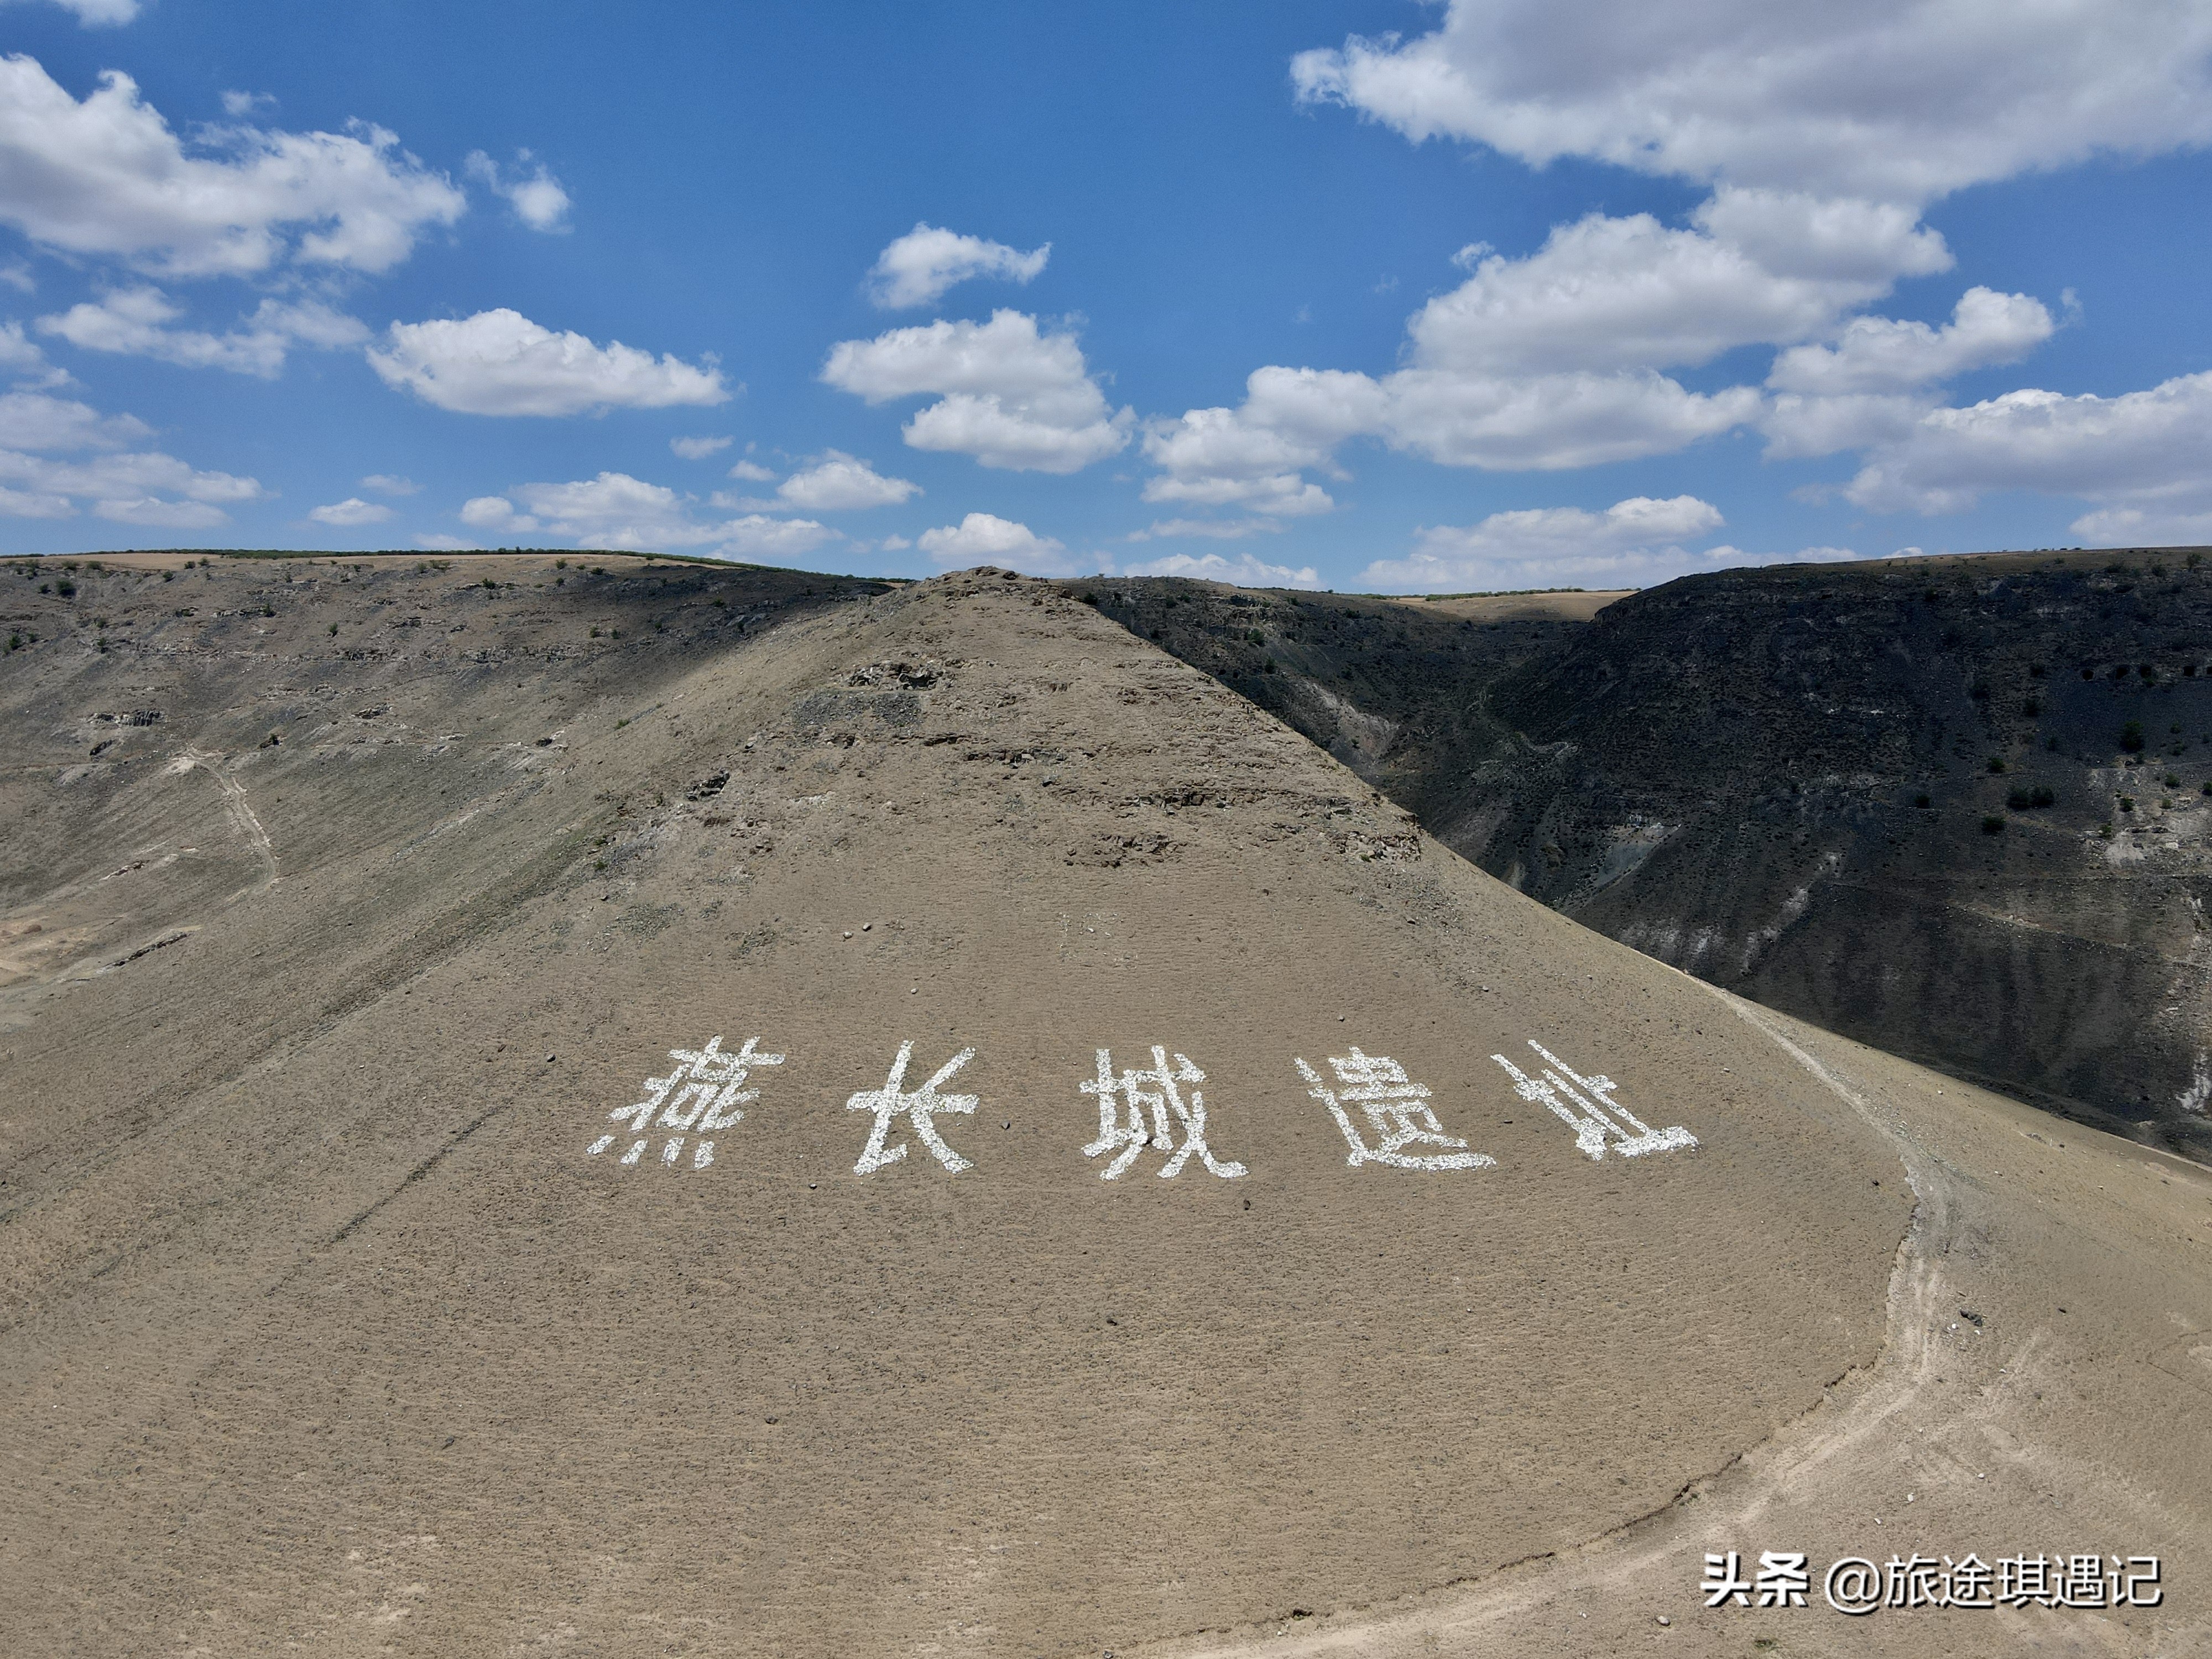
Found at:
<point>334,628</point>
<point>2132,737</point>
<point>1922,801</point>
<point>2023,799</point>
<point>1996,763</point>
<point>2127,802</point>
<point>1993,824</point>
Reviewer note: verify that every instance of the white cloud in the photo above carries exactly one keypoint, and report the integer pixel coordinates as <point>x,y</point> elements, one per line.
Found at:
<point>1244,571</point>
<point>918,268</point>
<point>31,420</point>
<point>758,537</point>
<point>108,176</point>
<point>439,542</point>
<point>750,472</point>
<point>139,488</point>
<point>1552,422</point>
<point>1008,396</point>
<point>1542,546</point>
<point>2131,527</point>
<point>21,357</point>
<point>134,322</point>
<point>239,105</point>
<point>838,483</point>
<point>537,200</point>
<point>893,544</point>
<point>1797,426</point>
<point>698,449</point>
<point>499,362</point>
<point>350,512</point>
<point>386,483</point>
<point>1877,355</point>
<point>95,14</point>
<point>616,511</point>
<point>1895,101</point>
<point>1607,294</point>
<point>2142,449</point>
<point>152,513</point>
<point>1213,530</point>
<point>985,538</point>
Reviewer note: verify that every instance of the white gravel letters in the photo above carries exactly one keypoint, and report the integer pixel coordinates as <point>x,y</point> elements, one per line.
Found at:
<point>919,1110</point>
<point>704,1093</point>
<point>1122,1127</point>
<point>1397,1110</point>
<point>1584,1104</point>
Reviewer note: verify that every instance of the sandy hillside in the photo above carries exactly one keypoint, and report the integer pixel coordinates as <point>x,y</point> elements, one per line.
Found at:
<point>328,1330</point>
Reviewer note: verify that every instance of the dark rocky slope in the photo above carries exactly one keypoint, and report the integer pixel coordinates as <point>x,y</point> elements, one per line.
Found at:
<point>1954,807</point>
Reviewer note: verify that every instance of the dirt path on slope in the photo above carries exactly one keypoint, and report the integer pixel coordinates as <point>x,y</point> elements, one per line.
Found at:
<point>1974,1402</point>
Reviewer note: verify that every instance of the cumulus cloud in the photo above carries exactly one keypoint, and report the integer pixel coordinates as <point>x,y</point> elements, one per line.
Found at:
<point>1895,101</point>
<point>536,196</point>
<point>698,449</point>
<point>499,362</point>
<point>751,471</point>
<point>20,355</point>
<point>31,420</point>
<point>95,14</point>
<point>1546,546</point>
<point>1212,530</point>
<point>135,322</point>
<point>617,512</point>
<point>1244,571</point>
<point>918,268</point>
<point>350,512</point>
<point>387,483</point>
<point>1008,395</point>
<point>1605,294</point>
<point>438,542</point>
<point>839,482</point>
<point>144,487</point>
<point>2147,450</point>
<point>985,538</point>
<point>108,176</point>
<point>1877,355</point>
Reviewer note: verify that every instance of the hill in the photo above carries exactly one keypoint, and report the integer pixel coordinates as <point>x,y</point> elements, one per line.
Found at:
<point>368,1284</point>
<point>1955,808</point>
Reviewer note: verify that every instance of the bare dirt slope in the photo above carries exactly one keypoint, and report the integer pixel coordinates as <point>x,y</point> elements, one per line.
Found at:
<point>326,1330</point>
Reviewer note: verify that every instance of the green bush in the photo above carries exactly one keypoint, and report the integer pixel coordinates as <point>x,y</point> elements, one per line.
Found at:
<point>2132,737</point>
<point>1993,825</point>
<point>1922,801</point>
<point>2127,802</point>
<point>1996,763</point>
<point>2172,781</point>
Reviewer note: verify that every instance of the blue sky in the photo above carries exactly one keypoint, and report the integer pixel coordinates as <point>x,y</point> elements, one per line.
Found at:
<point>1362,295</point>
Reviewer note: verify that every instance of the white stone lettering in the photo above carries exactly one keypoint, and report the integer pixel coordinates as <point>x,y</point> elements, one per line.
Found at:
<point>1585,1105</point>
<point>1122,1131</point>
<point>1397,1110</point>
<point>919,1110</point>
<point>704,1094</point>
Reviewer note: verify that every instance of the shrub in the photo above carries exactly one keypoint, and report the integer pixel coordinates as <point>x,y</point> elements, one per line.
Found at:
<point>489,582</point>
<point>334,628</point>
<point>1993,824</point>
<point>2149,672</point>
<point>2022,800</point>
<point>2088,673</point>
<point>2127,802</point>
<point>2172,781</point>
<point>268,609</point>
<point>1088,598</point>
<point>1922,801</point>
<point>1996,763</point>
<point>65,587</point>
<point>1253,636</point>
<point>2132,737</point>
<point>2030,708</point>
<point>15,643</point>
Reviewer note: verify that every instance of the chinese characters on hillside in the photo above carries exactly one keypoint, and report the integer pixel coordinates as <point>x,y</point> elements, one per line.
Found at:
<point>1385,1117</point>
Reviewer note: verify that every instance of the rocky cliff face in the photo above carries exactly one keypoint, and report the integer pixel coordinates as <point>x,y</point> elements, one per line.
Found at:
<point>1956,808</point>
